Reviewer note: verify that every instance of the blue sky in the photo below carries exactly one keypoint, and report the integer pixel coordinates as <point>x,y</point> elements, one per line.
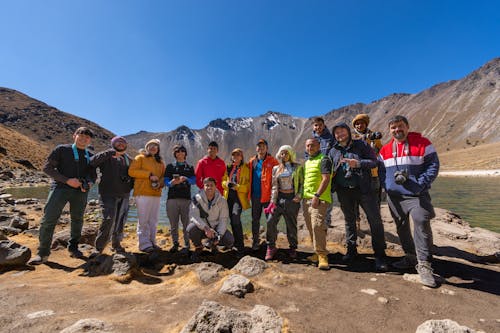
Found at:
<point>156,65</point>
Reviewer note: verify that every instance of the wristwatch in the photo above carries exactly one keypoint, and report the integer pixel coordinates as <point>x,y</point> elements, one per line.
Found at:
<point>317,195</point>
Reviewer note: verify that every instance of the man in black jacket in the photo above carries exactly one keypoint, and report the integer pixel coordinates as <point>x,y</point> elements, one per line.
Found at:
<point>69,166</point>
<point>353,161</point>
<point>114,191</point>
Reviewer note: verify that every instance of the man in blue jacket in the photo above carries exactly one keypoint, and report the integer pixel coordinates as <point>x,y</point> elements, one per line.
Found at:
<point>353,161</point>
<point>409,166</point>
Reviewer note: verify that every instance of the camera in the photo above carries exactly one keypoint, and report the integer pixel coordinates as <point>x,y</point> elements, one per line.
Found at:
<point>211,242</point>
<point>176,176</point>
<point>126,179</point>
<point>155,184</point>
<point>375,136</point>
<point>400,177</point>
<point>85,184</point>
<point>348,173</point>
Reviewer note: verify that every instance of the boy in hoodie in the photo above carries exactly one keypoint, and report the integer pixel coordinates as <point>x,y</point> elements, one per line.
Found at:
<point>409,166</point>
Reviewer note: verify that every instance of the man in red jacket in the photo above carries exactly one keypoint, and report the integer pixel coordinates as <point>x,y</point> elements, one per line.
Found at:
<point>261,171</point>
<point>210,166</point>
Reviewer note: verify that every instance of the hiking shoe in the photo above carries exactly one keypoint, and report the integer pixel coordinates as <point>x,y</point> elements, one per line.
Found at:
<point>184,251</point>
<point>75,254</point>
<point>174,248</point>
<point>256,245</point>
<point>425,272</point>
<point>292,253</point>
<point>323,262</point>
<point>381,264</point>
<point>149,249</point>
<point>313,257</point>
<point>38,260</point>
<point>350,256</point>
<point>94,254</point>
<point>408,262</point>
<point>271,251</point>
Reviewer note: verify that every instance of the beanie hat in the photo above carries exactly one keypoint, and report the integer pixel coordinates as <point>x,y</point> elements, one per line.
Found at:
<point>152,142</point>
<point>290,150</point>
<point>363,116</point>
<point>117,139</point>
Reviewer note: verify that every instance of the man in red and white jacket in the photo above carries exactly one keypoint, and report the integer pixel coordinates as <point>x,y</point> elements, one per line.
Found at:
<point>408,166</point>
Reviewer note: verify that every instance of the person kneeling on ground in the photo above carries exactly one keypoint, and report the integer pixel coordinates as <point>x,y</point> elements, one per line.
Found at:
<point>208,215</point>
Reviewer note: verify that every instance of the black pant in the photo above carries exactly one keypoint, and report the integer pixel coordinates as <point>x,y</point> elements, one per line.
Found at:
<point>257,208</point>
<point>350,199</point>
<point>234,206</point>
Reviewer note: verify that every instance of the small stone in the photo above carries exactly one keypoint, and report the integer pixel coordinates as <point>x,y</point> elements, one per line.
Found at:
<point>369,291</point>
<point>250,266</point>
<point>87,325</point>
<point>447,292</point>
<point>383,300</point>
<point>481,320</point>
<point>373,279</point>
<point>208,271</point>
<point>236,285</point>
<point>40,314</point>
<point>445,325</point>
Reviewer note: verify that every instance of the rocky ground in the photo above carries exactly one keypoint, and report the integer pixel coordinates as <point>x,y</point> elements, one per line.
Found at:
<point>167,292</point>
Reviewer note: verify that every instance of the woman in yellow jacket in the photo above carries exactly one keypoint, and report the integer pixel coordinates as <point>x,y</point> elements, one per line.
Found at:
<point>147,169</point>
<point>236,186</point>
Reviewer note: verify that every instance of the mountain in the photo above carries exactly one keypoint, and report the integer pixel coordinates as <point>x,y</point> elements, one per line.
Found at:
<point>455,115</point>
<point>30,129</point>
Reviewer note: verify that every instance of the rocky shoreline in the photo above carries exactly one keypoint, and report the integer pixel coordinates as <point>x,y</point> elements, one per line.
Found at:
<point>246,295</point>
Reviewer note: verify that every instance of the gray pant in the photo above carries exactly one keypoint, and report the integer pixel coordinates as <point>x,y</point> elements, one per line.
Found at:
<point>257,208</point>
<point>350,200</point>
<point>196,235</point>
<point>178,209</point>
<point>421,211</point>
<point>289,209</point>
<point>115,213</point>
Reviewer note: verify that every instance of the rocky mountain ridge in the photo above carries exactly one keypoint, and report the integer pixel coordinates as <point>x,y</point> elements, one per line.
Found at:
<point>455,115</point>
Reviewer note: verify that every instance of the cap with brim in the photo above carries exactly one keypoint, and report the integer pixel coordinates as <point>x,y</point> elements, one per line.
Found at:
<point>237,151</point>
<point>84,131</point>
<point>262,141</point>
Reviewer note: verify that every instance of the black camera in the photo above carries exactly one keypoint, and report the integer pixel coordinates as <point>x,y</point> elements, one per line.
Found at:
<point>211,242</point>
<point>126,179</point>
<point>155,184</point>
<point>85,184</point>
<point>348,173</point>
<point>400,177</point>
<point>375,136</point>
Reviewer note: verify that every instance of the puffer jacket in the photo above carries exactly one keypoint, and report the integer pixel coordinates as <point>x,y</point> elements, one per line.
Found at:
<point>242,187</point>
<point>266,178</point>
<point>140,169</point>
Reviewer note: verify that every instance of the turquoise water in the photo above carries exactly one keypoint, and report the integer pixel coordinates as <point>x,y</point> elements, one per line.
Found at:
<point>477,200</point>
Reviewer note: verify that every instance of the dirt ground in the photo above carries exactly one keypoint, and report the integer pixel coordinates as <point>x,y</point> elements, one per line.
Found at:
<point>165,296</point>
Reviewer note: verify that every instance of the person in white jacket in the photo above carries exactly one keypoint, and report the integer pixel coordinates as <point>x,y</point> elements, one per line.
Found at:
<point>208,216</point>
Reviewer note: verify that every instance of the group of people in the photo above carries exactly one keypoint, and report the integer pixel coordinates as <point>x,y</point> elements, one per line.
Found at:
<point>352,163</point>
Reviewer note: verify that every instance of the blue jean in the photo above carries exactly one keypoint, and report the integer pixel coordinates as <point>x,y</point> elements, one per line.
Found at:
<point>56,201</point>
<point>421,211</point>
<point>115,213</point>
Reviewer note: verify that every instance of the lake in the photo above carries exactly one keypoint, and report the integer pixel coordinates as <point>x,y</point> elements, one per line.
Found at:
<point>475,199</point>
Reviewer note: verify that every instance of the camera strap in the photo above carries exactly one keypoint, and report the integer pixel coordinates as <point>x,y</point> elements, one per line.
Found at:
<point>77,158</point>
<point>405,152</point>
<point>203,213</point>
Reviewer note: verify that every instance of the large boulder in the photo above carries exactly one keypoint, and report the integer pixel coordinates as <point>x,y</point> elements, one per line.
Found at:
<point>236,285</point>
<point>443,326</point>
<point>214,317</point>
<point>13,254</point>
<point>250,266</point>
<point>120,264</point>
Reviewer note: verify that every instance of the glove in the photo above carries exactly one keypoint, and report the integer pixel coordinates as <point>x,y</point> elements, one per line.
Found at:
<point>270,208</point>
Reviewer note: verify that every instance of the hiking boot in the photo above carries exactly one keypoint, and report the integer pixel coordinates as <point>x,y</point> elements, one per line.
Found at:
<point>149,249</point>
<point>184,251</point>
<point>118,249</point>
<point>174,248</point>
<point>350,255</point>
<point>196,255</point>
<point>94,254</point>
<point>292,253</point>
<point>408,262</point>
<point>256,245</point>
<point>38,260</point>
<point>75,253</point>
<point>323,262</point>
<point>271,251</point>
<point>381,264</point>
<point>425,272</point>
<point>313,257</point>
